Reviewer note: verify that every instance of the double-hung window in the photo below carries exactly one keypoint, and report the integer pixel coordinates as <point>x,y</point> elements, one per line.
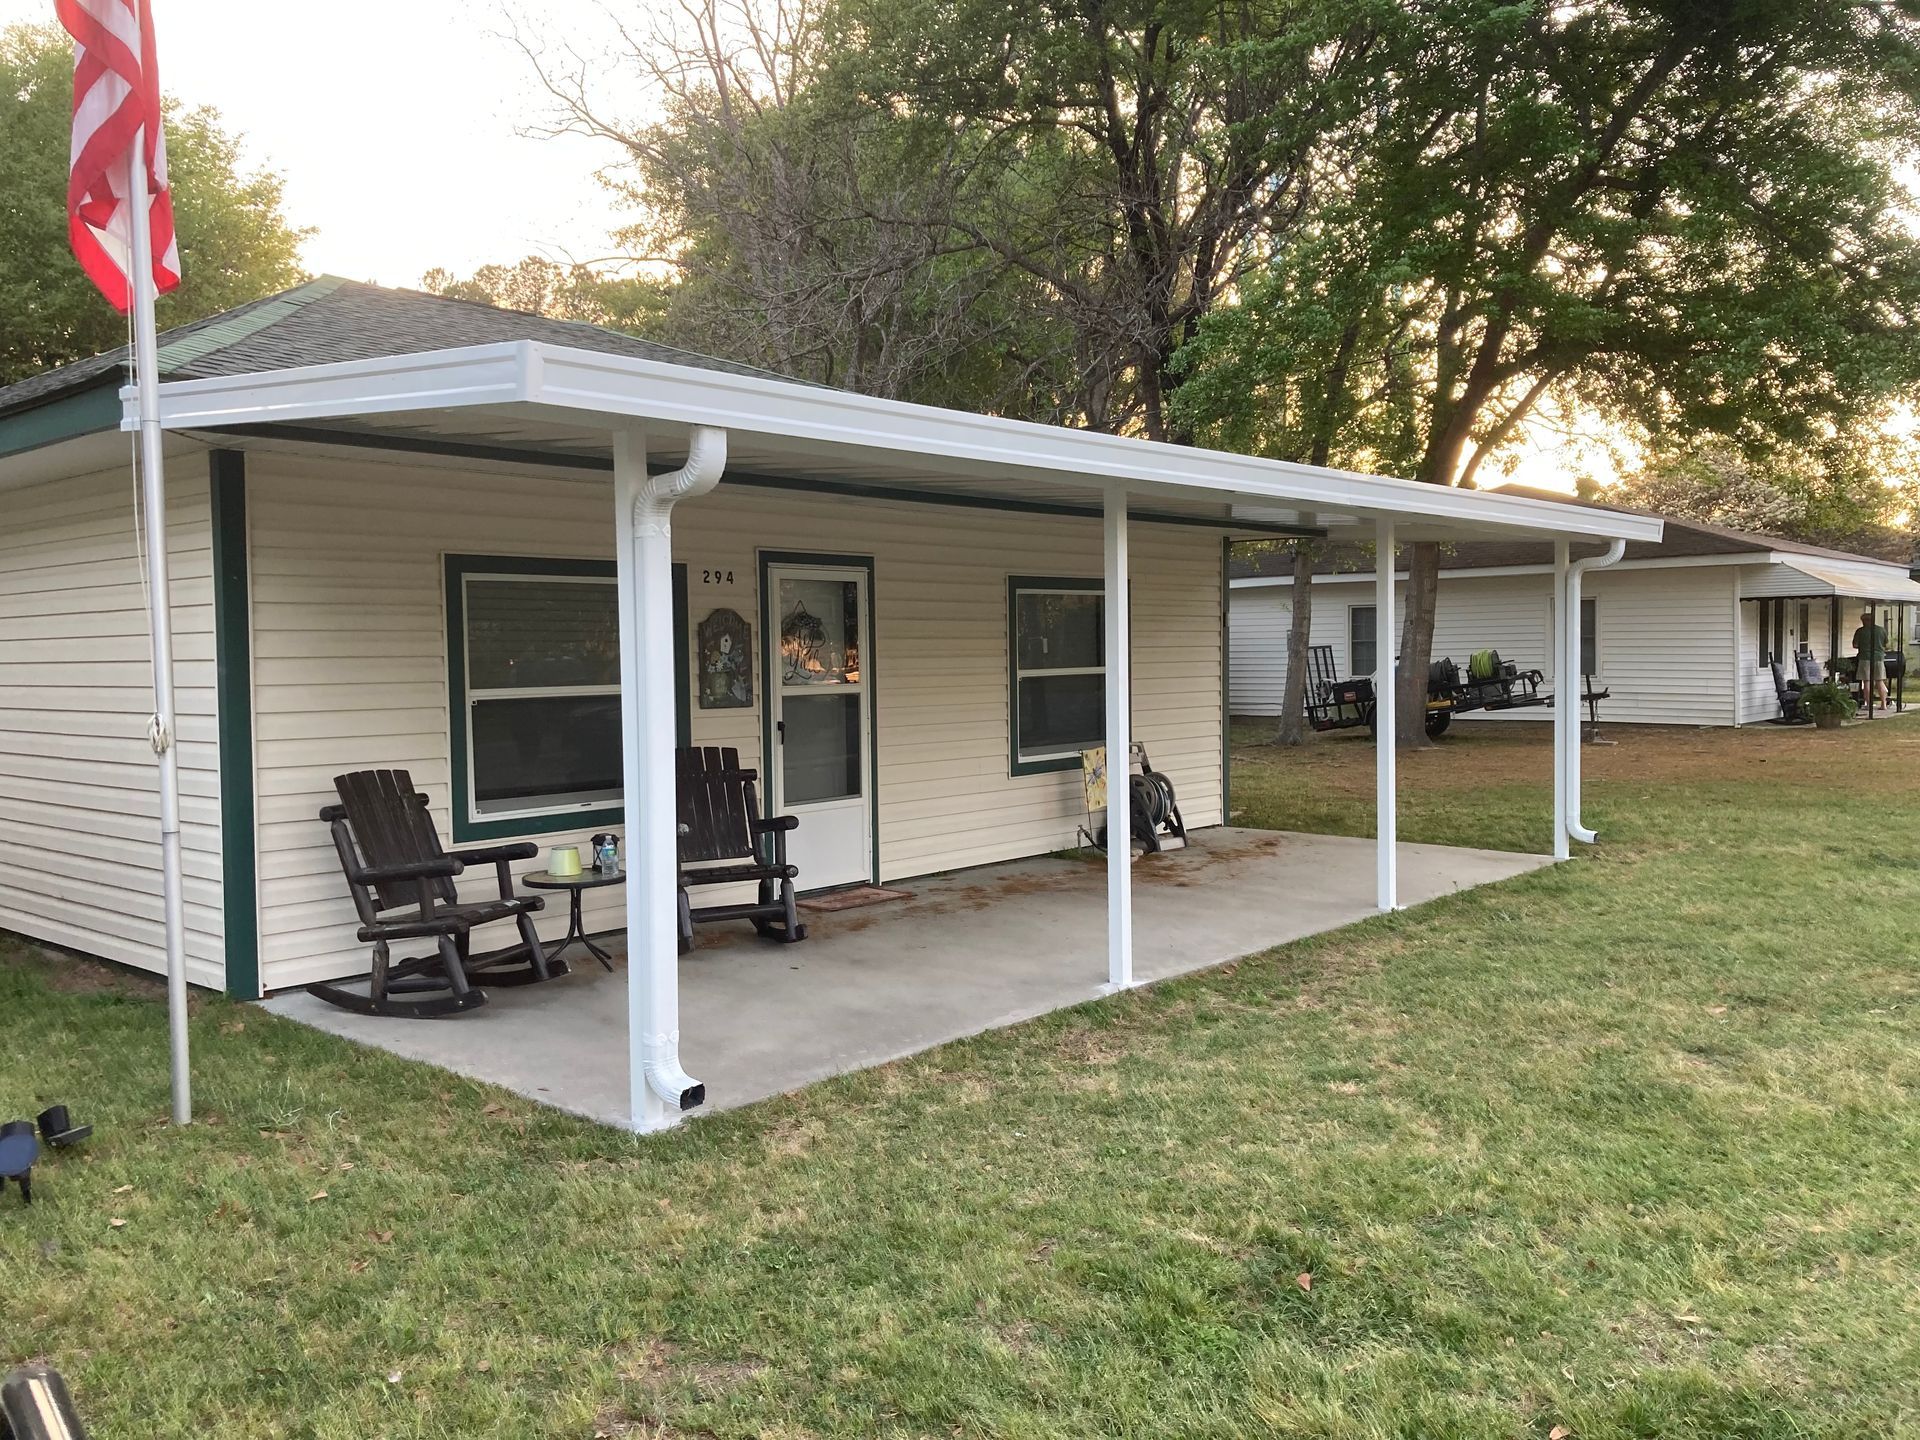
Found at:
<point>1362,653</point>
<point>534,651</point>
<point>1057,642</point>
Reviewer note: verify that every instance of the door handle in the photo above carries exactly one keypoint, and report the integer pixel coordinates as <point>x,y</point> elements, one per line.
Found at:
<point>780,729</point>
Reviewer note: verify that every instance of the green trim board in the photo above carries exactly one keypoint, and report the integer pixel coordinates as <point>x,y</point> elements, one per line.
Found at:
<point>233,684</point>
<point>1015,584</point>
<point>467,828</point>
<point>848,489</point>
<point>767,560</point>
<point>92,411</point>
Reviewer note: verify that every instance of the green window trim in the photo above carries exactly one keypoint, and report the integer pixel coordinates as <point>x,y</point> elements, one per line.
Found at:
<point>468,828</point>
<point>1015,585</point>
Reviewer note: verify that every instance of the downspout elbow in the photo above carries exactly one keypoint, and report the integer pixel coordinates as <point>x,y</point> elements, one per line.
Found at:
<point>706,458</point>
<point>1611,556</point>
<point>672,1084</point>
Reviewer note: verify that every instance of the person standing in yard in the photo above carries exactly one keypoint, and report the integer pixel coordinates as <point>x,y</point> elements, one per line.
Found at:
<point>1870,658</point>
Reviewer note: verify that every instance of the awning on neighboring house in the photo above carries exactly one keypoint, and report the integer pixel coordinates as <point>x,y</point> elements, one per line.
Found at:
<point>1813,579</point>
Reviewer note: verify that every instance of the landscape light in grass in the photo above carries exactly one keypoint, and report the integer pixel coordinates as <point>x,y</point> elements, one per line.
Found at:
<point>18,1150</point>
<point>120,221</point>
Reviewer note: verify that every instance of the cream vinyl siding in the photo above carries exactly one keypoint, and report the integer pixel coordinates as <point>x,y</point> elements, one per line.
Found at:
<point>350,658</point>
<point>1665,637</point>
<point>79,788</point>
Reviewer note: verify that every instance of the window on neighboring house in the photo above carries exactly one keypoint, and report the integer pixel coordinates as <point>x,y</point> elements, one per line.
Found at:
<point>534,684</point>
<point>1057,643</point>
<point>1361,651</point>
<point>1589,635</point>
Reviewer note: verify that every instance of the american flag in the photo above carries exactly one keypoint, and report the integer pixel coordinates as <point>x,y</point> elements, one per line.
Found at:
<point>116,97</point>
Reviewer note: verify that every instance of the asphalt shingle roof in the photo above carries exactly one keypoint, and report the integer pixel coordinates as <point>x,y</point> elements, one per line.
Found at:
<point>330,319</point>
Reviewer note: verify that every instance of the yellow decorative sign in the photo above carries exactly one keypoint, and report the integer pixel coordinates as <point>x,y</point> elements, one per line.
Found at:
<point>1093,776</point>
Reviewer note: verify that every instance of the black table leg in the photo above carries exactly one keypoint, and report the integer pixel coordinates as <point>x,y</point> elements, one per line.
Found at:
<point>576,930</point>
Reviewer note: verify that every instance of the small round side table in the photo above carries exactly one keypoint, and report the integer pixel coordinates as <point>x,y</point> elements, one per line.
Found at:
<point>573,885</point>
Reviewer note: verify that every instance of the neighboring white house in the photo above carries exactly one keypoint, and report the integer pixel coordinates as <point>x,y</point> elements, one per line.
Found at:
<point>1680,632</point>
<point>492,548</point>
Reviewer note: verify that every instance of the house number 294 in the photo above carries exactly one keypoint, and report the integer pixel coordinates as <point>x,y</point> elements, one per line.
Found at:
<point>716,577</point>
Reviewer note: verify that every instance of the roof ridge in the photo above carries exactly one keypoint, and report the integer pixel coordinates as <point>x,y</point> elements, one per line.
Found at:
<point>250,320</point>
<point>592,325</point>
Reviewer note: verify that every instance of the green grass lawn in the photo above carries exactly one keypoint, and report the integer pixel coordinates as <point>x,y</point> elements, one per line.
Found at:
<point>1629,1147</point>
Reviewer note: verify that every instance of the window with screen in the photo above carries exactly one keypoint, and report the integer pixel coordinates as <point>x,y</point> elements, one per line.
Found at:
<point>1589,635</point>
<point>1057,643</point>
<point>1361,651</point>
<point>542,692</point>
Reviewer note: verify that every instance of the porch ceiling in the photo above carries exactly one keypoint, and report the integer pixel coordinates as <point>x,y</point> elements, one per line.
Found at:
<point>533,403</point>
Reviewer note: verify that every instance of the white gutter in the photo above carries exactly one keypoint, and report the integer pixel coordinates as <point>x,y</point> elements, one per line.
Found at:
<point>573,382</point>
<point>1571,623</point>
<point>660,1089</point>
<point>1744,560</point>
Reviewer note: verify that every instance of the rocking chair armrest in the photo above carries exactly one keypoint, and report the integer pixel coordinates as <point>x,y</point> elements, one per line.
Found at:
<point>767,825</point>
<point>490,854</point>
<point>446,866</point>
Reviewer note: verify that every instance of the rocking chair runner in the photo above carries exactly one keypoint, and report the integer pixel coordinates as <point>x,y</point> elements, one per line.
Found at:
<point>720,820</point>
<point>394,862</point>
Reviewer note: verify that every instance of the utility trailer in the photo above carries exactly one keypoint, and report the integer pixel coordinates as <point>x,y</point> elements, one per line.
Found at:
<point>1489,683</point>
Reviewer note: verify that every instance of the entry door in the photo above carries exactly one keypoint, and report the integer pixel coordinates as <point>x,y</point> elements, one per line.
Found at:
<point>818,681</point>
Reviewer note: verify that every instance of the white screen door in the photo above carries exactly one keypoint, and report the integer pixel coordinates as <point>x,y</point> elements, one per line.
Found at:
<point>818,680</point>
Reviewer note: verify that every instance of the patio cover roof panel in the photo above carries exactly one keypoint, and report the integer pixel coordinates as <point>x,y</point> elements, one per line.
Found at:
<point>1829,580</point>
<point>566,401</point>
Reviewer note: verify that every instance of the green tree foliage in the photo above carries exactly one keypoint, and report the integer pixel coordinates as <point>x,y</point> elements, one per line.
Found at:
<point>563,291</point>
<point>235,242</point>
<point>1017,207</point>
<point>1685,215</point>
<point>1852,489</point>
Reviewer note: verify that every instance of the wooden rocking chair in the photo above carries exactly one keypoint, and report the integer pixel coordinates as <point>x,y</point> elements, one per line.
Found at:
<point>720,820</point>
<point>394,862</point>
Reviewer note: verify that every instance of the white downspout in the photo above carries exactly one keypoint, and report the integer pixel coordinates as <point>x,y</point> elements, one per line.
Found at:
<point>1572,622</point>
<point>659,1089</point>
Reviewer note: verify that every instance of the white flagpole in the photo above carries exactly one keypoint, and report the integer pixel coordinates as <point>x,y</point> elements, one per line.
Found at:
<point>153,491</point>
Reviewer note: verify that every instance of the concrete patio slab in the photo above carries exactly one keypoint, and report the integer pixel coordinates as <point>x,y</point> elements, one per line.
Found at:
<point>970,951</point>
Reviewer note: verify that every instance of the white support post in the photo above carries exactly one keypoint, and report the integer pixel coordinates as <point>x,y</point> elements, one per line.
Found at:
<point>1119,657</point>
<point>1386,748</point>
<point>153,499</point>
<point>1576,672</point>
<point>1564,718</point>
<point>659,1090</point>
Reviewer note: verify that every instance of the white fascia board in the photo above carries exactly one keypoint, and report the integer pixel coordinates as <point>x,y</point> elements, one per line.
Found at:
<point>1474,572</point>
<point>580,381</point>
<point>433,380</point>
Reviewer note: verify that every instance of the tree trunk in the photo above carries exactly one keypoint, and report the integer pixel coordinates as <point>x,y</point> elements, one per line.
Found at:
<point>1293,728</point>
<point>1416,644</point>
